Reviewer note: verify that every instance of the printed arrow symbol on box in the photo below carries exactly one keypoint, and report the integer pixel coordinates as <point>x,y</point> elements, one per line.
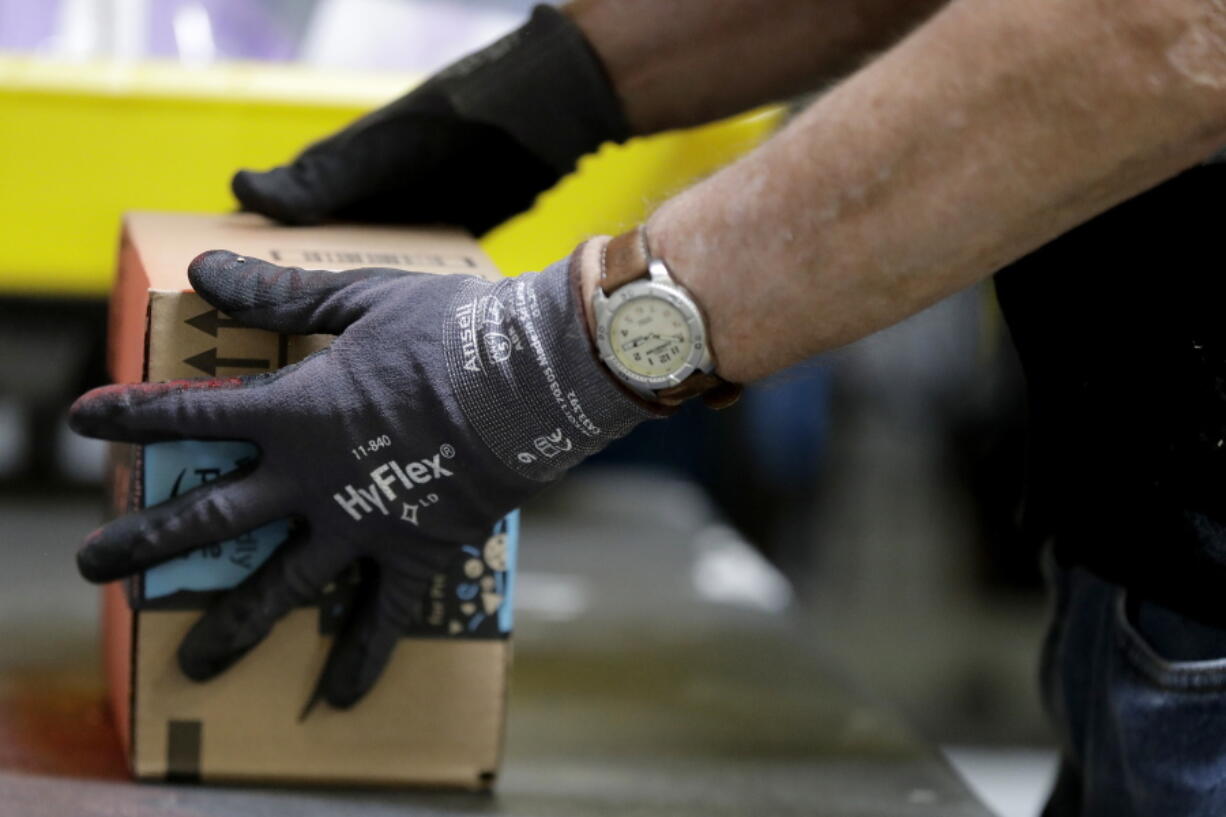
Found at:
<point>208,362</point>
<point>211,321</point>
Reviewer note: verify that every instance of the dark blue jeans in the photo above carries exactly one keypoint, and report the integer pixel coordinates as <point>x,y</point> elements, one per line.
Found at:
<point>1138,695</point>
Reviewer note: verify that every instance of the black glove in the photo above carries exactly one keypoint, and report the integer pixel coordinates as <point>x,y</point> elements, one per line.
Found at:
<point>472,146</point>
<point>469,396</point>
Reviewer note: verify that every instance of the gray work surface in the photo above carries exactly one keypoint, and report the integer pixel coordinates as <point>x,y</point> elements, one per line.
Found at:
<point>657,672</point>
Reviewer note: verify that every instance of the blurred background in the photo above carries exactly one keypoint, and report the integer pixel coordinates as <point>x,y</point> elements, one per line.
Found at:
<point>883,481</point>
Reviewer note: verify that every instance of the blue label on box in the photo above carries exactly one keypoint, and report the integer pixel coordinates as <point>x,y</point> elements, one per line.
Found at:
<point>175,468</point>
<point>471,598</point>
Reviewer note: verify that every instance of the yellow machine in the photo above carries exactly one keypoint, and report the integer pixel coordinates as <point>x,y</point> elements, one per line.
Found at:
<point>81,143</point>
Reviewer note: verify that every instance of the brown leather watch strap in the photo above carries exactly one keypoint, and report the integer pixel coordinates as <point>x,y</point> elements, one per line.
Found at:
<point>626,258</point>
<point>716,392</point>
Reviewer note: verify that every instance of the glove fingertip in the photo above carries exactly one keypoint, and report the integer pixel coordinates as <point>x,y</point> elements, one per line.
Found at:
<point>205,267</point>
<point>226,632</point>
<point>199,655</point>
<point>90,413</point>
<point>197,667</point>
<point>211,261</point>
<point>245,185</point>
<point>347,677</point>
<point>265,193</point>
<point>241,185</point>
<point>355,667</point>
<point>344,694</point>
<point>99,565</point>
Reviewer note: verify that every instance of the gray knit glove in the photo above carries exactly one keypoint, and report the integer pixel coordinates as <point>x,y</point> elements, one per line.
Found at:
<point>473,146</point>
<point>444,402</point>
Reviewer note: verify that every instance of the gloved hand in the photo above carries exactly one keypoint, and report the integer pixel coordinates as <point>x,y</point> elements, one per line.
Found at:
<point>443,403</point>
<point>472,146</point>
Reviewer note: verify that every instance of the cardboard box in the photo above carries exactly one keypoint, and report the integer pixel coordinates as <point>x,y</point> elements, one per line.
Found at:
<point>436,715</point>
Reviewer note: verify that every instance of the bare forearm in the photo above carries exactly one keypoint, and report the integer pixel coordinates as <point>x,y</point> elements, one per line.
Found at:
<point>676,63</point>
<point>993,128</point>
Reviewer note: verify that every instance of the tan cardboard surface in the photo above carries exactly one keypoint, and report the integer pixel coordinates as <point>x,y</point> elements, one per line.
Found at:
<point>181,349</point>
<point>436,716</point>
<point>167,243</point>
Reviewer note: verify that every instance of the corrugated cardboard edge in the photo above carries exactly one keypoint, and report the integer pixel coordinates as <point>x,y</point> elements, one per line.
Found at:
<point>128,317</point>
<point>118,659</point>
<point>127,328</point>
<point>489,777</point>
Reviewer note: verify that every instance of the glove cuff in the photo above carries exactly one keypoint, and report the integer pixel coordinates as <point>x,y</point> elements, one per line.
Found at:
<point>544,85</point>
<point>526,376</point>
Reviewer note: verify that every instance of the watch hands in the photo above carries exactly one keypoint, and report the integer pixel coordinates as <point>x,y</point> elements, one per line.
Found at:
<point>634,343</point>
<point>650,336</point>
<point>659,348</point>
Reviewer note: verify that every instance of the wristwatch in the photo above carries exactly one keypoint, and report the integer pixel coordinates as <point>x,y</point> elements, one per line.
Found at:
<point>649,330</point>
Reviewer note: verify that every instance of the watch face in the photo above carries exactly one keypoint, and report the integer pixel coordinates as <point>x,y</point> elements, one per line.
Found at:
<point>650,337</point>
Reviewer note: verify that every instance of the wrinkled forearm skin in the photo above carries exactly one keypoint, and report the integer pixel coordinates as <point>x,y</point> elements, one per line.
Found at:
<point>992,128</point>
<point>676,63</point>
